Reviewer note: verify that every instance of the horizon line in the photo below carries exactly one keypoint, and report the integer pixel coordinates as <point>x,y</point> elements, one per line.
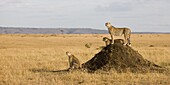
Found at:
<point>76,28</point>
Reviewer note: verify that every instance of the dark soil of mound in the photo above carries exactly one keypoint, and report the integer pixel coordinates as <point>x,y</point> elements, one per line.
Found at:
<point>121,59</point>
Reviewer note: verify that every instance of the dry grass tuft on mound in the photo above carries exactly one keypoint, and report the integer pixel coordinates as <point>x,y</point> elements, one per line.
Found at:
<point>122,59</point>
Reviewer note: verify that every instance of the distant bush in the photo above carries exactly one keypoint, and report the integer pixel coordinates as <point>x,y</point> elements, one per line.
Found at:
<point>54,35</point>
<point>165,46</point>
<point>141,35</point>
<point>151,46</point>
<point>88,45</point>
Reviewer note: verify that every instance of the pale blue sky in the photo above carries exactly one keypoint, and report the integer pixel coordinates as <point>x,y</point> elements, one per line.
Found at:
<point>139,15</point>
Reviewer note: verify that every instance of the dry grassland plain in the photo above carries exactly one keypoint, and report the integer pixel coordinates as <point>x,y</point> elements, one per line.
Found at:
<point>29,59</point>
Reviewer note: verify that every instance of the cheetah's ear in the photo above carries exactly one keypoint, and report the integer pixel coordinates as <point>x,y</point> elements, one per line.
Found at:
<point>107,22</point>
<point>68,53</point>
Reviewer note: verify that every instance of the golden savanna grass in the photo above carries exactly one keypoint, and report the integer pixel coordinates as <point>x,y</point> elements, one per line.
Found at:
<point>33,59</point>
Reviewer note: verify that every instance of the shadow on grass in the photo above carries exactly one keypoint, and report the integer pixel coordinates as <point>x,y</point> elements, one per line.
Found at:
<point>45,70</point>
